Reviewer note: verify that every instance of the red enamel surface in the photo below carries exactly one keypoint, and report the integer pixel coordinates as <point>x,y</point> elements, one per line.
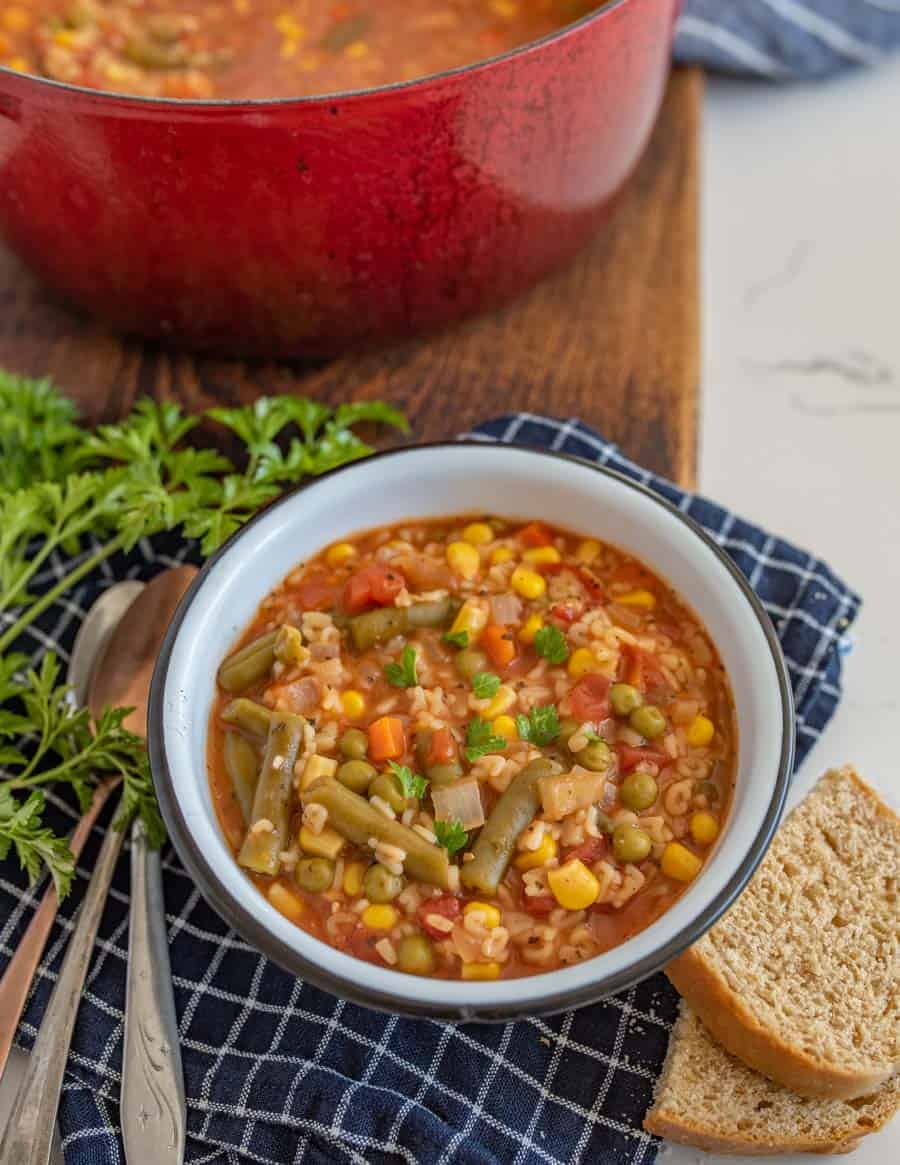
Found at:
<point>306,227</point>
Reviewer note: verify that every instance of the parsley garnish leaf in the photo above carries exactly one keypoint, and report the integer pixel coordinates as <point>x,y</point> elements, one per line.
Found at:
<point>485,684</point>
<point>411,784</point>
<point>551,644</point>
<point>480,740</point>
<point>403,674</point>
<point>451,835</point>
<point>540,726</point>
<point>457,638</point>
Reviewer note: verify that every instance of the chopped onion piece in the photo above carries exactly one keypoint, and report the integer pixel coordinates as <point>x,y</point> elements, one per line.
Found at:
<point>460,801</point>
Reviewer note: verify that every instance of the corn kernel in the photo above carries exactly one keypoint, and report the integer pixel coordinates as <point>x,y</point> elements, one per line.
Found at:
<point>527,583</point>
<point>530,628</point>
<point>573,885</point>
<point>701,731</point>
<point>353,878</point>
<point>704,828</point>
<point>640,600</point>
<point>353,703</point>
<point>581,662</point>
<point>327,844</point>
<point>472,619</point>
<point>285,902</point>
<point>587,550</point>
<point>482,971</point>
<point>505,726</point>
<point>490,915</point>
<point>502,554</point>
<point>541,555</point>
<point>65,37</point>
<point>463,559</point>
<point>356,50</point>
<point>340,553</point>
<point>679,863</point>
<point>315,767</point>
<point>478,533</point>
<point>501,702</point>
<point>380,917</point>
<point>531,859</point>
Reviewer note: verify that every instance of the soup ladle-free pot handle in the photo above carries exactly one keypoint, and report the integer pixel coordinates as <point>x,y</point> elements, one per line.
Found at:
<point>28,1136</point>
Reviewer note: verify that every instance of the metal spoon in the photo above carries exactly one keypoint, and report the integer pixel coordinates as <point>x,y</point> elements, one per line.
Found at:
<point>20,971</point>
<point>27,1138</point>
<point>153,1107</point>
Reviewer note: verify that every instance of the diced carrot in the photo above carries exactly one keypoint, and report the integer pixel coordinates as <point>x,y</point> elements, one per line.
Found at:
<point>387,740</point>
<point>499,644</point>
<point>535,534</point>
<point>442,748</point>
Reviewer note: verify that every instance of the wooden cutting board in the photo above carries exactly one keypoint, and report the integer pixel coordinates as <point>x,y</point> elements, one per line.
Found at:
<point>614,339</point>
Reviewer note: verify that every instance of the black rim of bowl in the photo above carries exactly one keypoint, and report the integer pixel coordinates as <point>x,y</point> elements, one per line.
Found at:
<point>250,928</point>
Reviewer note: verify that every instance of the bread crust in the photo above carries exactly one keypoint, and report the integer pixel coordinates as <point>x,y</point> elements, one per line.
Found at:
<point>739,1031</point>
<point>703,1138</point>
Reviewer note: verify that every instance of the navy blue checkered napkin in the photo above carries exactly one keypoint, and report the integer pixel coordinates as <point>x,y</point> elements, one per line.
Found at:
<point>279,1072</point>
<point>786,40</point>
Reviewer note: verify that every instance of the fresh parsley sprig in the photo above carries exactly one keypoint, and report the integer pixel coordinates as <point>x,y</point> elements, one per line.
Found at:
<point>550,642</point>
<point>403,674</point>
<point>411,784</point>
<point>540,726</point>
<point>480,740</point>
<point>485,685</point>
<point>451,835</point>
<point>457,638</point>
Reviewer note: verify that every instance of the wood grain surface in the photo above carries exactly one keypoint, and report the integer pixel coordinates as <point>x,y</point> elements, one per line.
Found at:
<point>613,339</point>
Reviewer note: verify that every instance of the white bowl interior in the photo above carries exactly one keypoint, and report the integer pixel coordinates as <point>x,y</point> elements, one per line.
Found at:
<point>453,480</point>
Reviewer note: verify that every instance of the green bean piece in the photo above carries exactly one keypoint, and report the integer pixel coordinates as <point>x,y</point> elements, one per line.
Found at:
<point>242,765</point>
<point>445,773</point>
<point>356,775</point>
<point>387,787</point>
<point>493,849</point>
<point>263,846</point>
<point>470,661</point>
<point>415,955</point>
<point>380,885</point>
<point>249,665</point>
<point>289,647</point>
<point>354,744</point>
<point>358,821</point>
<point>248,716</point>
<point>378,626</point>
<point>314,874</point>
<point>434,614</point>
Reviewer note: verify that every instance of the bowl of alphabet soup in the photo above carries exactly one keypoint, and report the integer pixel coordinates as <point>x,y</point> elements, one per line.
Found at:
<point>302,177</point>
<point>471,731</point>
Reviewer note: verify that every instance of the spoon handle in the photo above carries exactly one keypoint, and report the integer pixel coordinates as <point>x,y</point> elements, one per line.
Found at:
<point>29,1133</point>
<point>19,973</point>
<point>153,1102</point>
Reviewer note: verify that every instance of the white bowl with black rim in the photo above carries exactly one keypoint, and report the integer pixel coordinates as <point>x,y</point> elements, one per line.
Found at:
<point>429,482</point>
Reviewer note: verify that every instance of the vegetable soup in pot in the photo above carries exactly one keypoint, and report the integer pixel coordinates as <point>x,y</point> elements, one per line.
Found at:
<point>472,748</point>
<point>264,48</point>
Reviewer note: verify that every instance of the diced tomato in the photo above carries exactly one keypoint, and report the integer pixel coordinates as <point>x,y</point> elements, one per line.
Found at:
<point>372,586</point>
<point>442,748</point>
<point>535,534</point>
<point>640,669</point>
<point>591,587</point>
<point>589,851</point>
<point>361,943</point>
<point>315,594</point>
<point>447,907</point>
<point>630,758</point>
<point>539,903</point>
<point>633,574</point>
<point>589,699</point>
<point>566,613</point>
<point>499,644</point>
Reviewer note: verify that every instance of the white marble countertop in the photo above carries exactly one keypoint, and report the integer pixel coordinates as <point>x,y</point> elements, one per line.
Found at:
<point>801,379</point>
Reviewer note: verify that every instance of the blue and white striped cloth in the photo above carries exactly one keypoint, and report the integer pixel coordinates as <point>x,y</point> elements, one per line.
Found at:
<point>278,1072</point>
<point>785,40</point>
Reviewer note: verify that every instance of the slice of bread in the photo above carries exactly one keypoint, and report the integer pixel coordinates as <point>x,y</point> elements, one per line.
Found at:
<point>708,1099</point>
<point>801,978</point>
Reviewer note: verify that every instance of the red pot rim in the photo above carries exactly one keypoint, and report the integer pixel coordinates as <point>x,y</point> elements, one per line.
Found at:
<point>232,104</point>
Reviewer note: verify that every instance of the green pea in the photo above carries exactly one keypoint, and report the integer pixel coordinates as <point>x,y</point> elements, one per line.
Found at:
<point>386,786</point>
<point>623,699</point>
<point>567,728</point>
<point>356,775</point>
<point>415,955</point>
<point>354,744</point>
<point>445,773</point>
<point>709,790</point>
<point>631,844</point>
<point>380,885</point>
<point>638,791</point>
<point>595,756</point>
<point>648,721</point>
<point>314,874</point>
<point>470,662</point>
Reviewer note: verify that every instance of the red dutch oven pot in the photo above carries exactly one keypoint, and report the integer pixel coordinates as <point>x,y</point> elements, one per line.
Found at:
<point>305,227</point>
